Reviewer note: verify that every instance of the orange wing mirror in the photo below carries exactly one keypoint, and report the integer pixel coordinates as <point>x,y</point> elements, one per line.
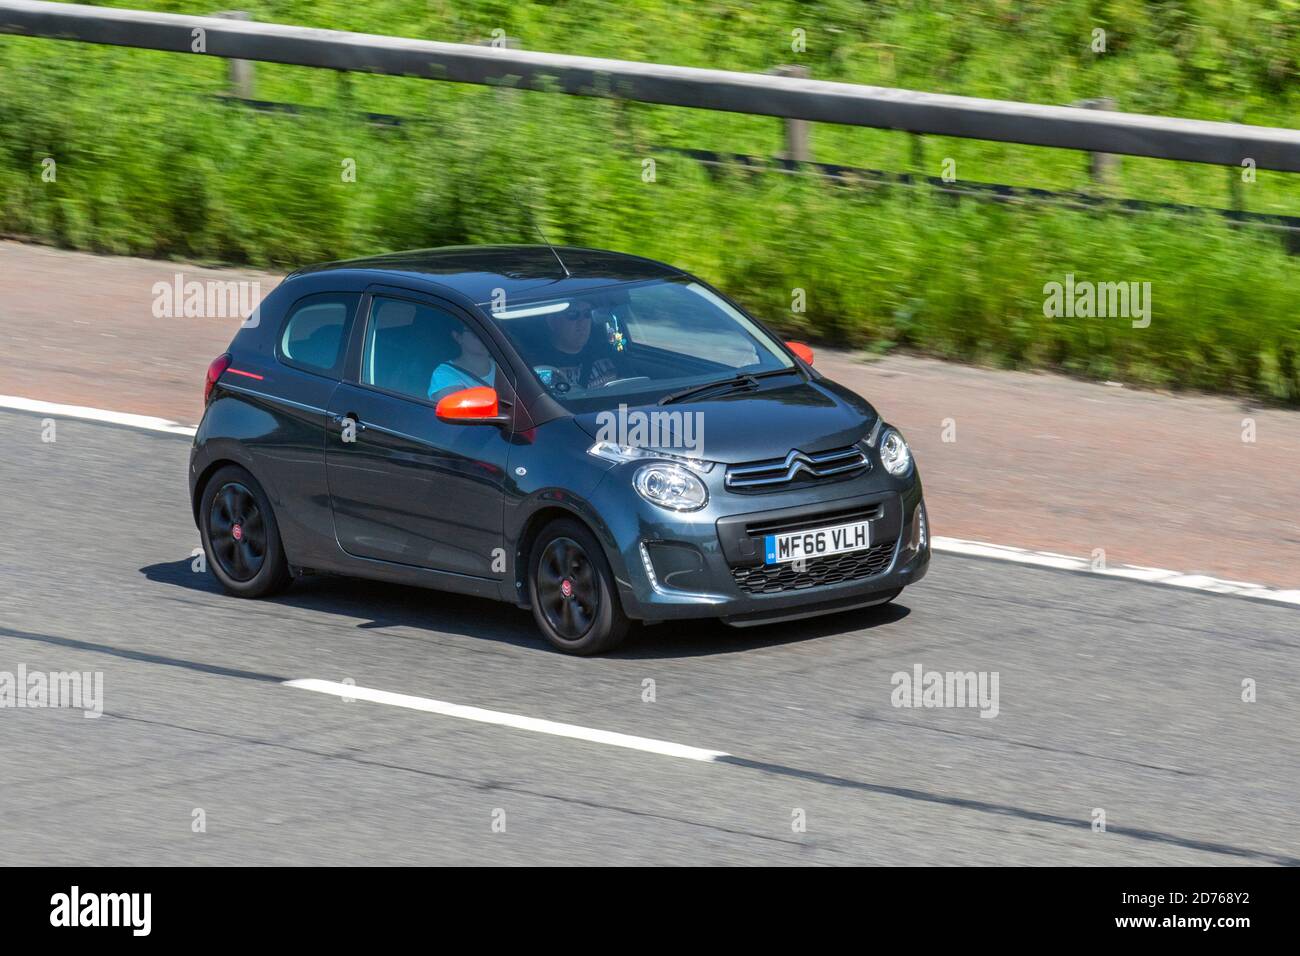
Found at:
<point>472,406</point>
<point>801,350</point>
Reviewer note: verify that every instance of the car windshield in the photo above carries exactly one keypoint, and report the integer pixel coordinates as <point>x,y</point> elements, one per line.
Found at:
<point>646,339</point>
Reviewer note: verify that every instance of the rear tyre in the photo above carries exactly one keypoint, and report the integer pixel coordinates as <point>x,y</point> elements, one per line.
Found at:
<point>240,536</point>
<point>572,591</point>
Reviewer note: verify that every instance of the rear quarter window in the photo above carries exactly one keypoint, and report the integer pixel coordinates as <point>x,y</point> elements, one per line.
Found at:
<point>314,333</point>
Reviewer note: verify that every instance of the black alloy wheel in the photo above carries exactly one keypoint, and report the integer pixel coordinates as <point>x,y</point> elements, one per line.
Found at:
<point>567,588</point>
<point>237,531</point>
<point>240,535</point>
<point>572,591</point>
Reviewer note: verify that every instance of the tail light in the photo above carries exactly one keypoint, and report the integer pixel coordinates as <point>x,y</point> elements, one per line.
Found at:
<point>218,365</point>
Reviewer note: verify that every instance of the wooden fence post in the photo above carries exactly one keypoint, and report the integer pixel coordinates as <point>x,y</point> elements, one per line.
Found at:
<point>798,146</point>
<point>241,71</point>
<point>1101,166</point>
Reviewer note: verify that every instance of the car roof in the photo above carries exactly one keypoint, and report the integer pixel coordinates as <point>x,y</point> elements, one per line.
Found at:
<point>522,271</point>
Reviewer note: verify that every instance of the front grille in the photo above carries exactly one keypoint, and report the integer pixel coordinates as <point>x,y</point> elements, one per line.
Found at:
<point>761,475</point>
<point>817,572</point>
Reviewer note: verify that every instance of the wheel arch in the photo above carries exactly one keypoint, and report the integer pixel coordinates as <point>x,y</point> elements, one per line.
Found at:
<point>210,469</point>
<point>548,510</point>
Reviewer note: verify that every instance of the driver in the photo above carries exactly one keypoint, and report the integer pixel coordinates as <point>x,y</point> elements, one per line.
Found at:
<point>582,359</point>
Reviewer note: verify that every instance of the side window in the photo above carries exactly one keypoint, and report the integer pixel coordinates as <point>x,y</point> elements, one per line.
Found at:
<point>315,331</point>
<point>422,352</point>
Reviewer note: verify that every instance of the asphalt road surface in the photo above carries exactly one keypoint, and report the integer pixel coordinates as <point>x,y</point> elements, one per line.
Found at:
<point>1112,695</point>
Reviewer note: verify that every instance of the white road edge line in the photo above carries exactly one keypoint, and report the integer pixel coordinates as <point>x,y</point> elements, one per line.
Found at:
<point>501,719</point>
<point>979,549</point>
<point>143,422</point>
<point>1131,572</point>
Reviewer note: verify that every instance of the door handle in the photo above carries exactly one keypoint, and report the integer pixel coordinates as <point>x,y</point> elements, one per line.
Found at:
<point>357,422</point>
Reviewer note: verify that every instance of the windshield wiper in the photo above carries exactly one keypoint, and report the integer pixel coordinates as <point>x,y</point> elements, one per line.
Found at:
<point>744,379</point>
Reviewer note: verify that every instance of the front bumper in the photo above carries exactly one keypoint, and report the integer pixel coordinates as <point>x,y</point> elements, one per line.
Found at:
<point>710,565</point>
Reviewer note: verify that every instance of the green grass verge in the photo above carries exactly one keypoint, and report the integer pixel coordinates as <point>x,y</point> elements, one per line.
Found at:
<point>149,164</point>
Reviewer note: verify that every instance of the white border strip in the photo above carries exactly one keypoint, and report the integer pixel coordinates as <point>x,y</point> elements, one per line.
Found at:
<point>1131,572</point>
<point>977,549</point>
<point>501,719</point>
<point>143,422</point>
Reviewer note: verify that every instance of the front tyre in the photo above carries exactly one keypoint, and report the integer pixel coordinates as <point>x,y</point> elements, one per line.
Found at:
<point>240,535</point>
<point>572,591</point>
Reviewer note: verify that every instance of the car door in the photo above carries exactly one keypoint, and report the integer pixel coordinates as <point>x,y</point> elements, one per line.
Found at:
<point>405,486</point>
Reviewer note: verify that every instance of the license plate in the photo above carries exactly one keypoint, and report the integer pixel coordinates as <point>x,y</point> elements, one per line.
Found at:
<point>817,543</point>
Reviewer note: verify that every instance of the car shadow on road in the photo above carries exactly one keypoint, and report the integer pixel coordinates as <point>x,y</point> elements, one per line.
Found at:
<point>701,638</point>
<point>379,605</point>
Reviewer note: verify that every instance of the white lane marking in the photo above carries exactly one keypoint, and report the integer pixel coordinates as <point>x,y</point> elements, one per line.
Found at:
<point>143,422</point>
<point>1131,572</point>
<point>981,549</point>
<point>501,719</point>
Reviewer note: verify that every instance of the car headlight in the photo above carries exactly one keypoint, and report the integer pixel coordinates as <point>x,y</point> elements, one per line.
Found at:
<point>894,453</point>
<point>621,453</point>
<point>670,486</point>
